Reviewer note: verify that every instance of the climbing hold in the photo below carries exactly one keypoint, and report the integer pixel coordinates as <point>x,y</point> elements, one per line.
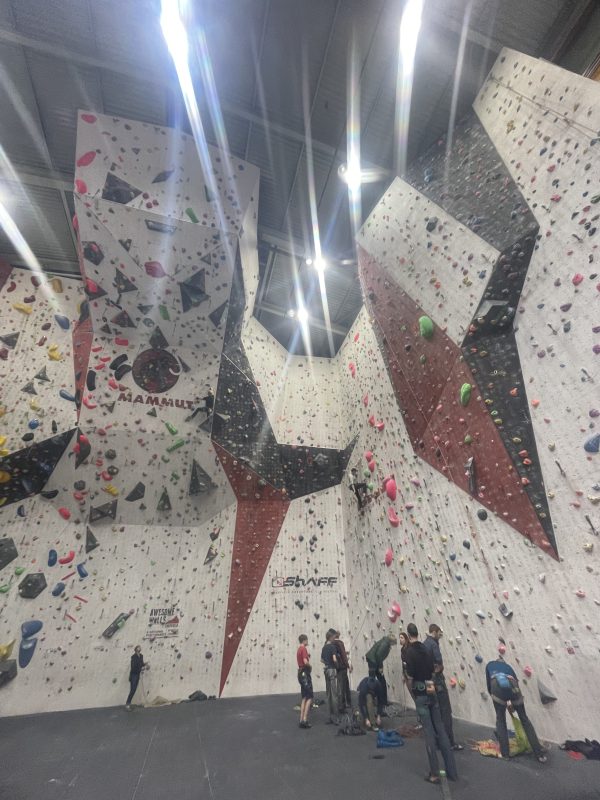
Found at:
<point>371,465</point>
<point>482,514</point>
<point>6,650</point>
<point>68,558</point>
<point>391,489</point>
<point>577,279</point>
<point>393,517</point>
<point>352,368</point>
<point>32,585</point>
<point>368,455</point>
<point>65,513</point>
<point>138,491</point>
<point>528,671</point>
<point>592,445</point>
<point>30,628</point>
<point>389,557</point>
<point>467,544</point>
<point>380,425</point>
<point>52,558</point>
<point>62,321</point>
<point>26,651</point>
<point>154,269</point>
<point>426,327</point>
<point>82,571</point>
<point>67,395</point>
<point>366,400</point>
<point>465,394</point>
<point>546,695</point>
<point>58,589</point>
<point>479,659</point>
<point>86,159</point>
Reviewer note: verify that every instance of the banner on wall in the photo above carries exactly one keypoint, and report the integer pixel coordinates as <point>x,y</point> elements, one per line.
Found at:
<point>163,623</point>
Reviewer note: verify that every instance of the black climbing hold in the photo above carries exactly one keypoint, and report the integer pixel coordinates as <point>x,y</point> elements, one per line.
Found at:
<point>107,510</point>
<point>122,283</point>
<point>200,481</point>
<point>164,504</point>
<point>217,315</point>
<point>29,388</point>
<point>152,412</point>
<point>49,495</point>
<point>32,585</point>
<point>163,176</point>
<point>8,551</point>
<point>160,227</point>
<point>158,340</point>
<point>121,371</point>
<point>110,407</point>
<point>138,491</point>
<point>116,190</point>
<point>193,291</point>
<point>91,543</point>
<point>125,244</point>
<point>90,380</point>
<point>92,252</point>
<point>116,362</point>
<point>42,375</point>
<point>546,695</point>
<point>211,554</point>
<point>123,320</point>
<point>482,514</point>
<point>10,340</point>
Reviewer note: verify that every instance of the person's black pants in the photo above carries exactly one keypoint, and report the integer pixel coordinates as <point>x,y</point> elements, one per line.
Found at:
<point>375,672</point>
<point>134,679</point>
<point>344,698</point>
<point>527,727</point>
<point>445,710</point>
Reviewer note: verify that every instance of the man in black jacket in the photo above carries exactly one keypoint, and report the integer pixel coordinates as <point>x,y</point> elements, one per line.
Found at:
<point>419,675</point>
<point>137,665</point>
<point>329,659</point>
<point>343,668</point>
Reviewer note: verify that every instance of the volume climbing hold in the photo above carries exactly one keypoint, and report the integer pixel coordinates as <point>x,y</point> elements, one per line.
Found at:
<point>426,327</point>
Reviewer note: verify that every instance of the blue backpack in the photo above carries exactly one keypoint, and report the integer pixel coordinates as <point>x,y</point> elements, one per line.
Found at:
<point>389,739</point>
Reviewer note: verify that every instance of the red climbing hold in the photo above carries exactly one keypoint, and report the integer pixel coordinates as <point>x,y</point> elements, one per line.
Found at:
<point>352,368</point>
<point>366,400</point>
<point>368,455</point>
<point>371,465</point>
<point>389,557</point>
<point>356,337</point>
<point>396,608</point>
<point>390,489</point>
<point>121,342</point>
<point>393,518</point>
<point>380,425</point>
<point>68,558</point>
<point>372,420</point>
<point>65,513</point>
<point>154,269</point>
<point>80,186</point>
<point>577,279</point>
<point>90,118</point>
<point>86,159</point>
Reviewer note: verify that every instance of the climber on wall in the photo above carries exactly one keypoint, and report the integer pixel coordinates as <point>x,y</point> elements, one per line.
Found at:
<point>503,686</point>
<point>375,658</point>
<point>420,674</point>
<point>431,644</point>
<point>209,403</point>
<point>135,670</point>
<point>329,659</point>
<point>358,487</point>
<point>305,680</point>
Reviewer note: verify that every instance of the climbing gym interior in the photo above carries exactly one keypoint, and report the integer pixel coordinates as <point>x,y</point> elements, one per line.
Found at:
<point>299,330</point>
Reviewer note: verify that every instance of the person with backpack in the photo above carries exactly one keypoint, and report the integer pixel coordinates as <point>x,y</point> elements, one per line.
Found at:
<point>375,658</point>
<point>370,702</point>
<point>503,686</point>
<point>305,680</point>
<point>419,673</point>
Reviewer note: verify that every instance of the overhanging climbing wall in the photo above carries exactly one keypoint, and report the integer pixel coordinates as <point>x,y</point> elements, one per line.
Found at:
<point>494,242</point>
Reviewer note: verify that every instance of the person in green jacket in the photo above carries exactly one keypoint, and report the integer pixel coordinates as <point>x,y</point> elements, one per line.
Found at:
<point>375,658</point>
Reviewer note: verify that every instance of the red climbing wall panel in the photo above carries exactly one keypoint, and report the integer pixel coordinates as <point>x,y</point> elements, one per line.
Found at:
<point>261,511</point>
<point>427,376</point>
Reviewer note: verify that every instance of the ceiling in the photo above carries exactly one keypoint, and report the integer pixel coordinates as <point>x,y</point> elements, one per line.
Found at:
<point>268,58</point>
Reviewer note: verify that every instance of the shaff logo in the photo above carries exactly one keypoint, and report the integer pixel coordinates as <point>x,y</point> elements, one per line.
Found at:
<point>297,582</point>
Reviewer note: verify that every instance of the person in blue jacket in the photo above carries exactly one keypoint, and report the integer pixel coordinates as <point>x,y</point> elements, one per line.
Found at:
<point>503,686</point>
<point>370,702</point>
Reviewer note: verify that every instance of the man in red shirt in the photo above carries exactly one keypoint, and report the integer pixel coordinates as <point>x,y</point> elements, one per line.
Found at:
<point>305,681</point>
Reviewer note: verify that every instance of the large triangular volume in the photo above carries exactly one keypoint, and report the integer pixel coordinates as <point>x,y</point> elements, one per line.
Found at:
<point>217,315</point>
<point>101,512</point>
<point>164,504</point>
<point>92,252</point>
<point>91,543</point>
<point>123,320</point>
<point>10,340</point>
<point>193,290</point>
<point>138,491</point>
<point>122,283</point>
<point>42,375</point>
<point>158,340</point>
<point>200,481</point>
<point>116,190</point>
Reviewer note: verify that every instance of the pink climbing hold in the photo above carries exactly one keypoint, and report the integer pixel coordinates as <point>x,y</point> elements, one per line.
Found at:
<point>65,513</point>
<point>577,279</point>
<point>121,342</point>
<point>390,489</point>
<point>502,649</point>
<point>80,186</point>
<point>380,426</point>
<point>371,465</point>
<point>352,368</point>
<point>89,118</point>
<point>396,608</point>
<point>368,455</point>
<point>366,400</point>
<point>372,420</point>
<point>356,337</point>
<point>68,558</point>
<point>392,616</point>
<point>389,557</point>
<point>528,671</point>
<point>86,159</point>
<point>393,517</point>
<point>154,269</point>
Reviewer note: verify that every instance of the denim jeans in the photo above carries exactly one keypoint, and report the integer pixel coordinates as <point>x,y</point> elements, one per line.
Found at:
<point>443,699</point>
<point>428,713</point>
<point>527,727</point>
<point>375,672</point>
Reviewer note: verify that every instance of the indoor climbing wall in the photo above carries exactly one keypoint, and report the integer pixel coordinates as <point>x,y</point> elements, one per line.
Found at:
<point>472,376</point>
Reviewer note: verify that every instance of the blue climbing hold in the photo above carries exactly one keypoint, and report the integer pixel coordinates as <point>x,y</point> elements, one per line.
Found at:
<point>58,589</point>
<point>62,321</point>
<point>33,424</point>
<point>31,627</point>
<point>479,659</point>
<point>26,651</point>
<point>592,445</point>
<point>21,511</point>
<point>467,544</point>
<point>452,556</point>
<point>52,558</point>
<point>67,395</point>
<point>83,573</point>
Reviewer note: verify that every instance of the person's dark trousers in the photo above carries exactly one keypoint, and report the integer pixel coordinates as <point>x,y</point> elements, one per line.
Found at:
<point>133,682</point>
<point>374,672</point>
<point>332,693</point>
<point>445,709</point>
<point>344,698</point>
<point>527,727</point>
<point>428,713</point>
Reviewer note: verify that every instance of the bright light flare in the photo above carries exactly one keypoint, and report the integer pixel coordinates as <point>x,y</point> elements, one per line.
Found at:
<point>410,25</point>
<point>302,315</point>
<point>320,264</point>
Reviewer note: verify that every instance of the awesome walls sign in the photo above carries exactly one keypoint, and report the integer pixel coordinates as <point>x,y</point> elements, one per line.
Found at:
<point>163,623</point>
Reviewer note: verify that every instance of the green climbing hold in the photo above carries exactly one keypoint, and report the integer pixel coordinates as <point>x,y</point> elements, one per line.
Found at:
<point>171,428</point>
<point>191,214</point>
<point>425,327</point>
<point>465,394</point>
<point>19,570</point>
<point>164,312</point>
<point>423,359</point>
<point>468,439</point>
<point>176,445</point>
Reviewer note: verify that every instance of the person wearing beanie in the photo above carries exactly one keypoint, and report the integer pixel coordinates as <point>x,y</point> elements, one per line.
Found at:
<point>375,658</point>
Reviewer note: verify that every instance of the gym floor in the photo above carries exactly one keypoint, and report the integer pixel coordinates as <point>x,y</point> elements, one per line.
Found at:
<point>247,748</point>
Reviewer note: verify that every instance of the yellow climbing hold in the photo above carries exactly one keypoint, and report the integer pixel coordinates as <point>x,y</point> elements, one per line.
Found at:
<point>54,353</point>
<point>23,307</point>
<point>6,650</point>
<point>4,476</point>
<point>112,490</point>
<point>56,285</point>
<point>2,440</point>
<point>2,411</point>
<point>2,501</point>
<point>34,405</point>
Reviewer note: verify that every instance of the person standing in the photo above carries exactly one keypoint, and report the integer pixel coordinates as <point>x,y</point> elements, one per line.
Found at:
<point>375,658</point>
<point>432,644</point>
<point>305,680</point>
<point>343,668</point>
<point>419,672</point>
<point>503,686</point>
<point>370,702</point>
<point>135,670</point>
<point>330,662</point>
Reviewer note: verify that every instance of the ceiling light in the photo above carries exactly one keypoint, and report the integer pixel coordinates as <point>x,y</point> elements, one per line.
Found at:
<point>320,264</point>
<point>351,174</point>
<point>302,315</point>
<point>309,262</point>
<point>291,313</point>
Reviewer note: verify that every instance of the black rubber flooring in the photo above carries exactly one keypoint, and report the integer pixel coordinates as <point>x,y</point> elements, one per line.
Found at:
<point>249,748</point>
